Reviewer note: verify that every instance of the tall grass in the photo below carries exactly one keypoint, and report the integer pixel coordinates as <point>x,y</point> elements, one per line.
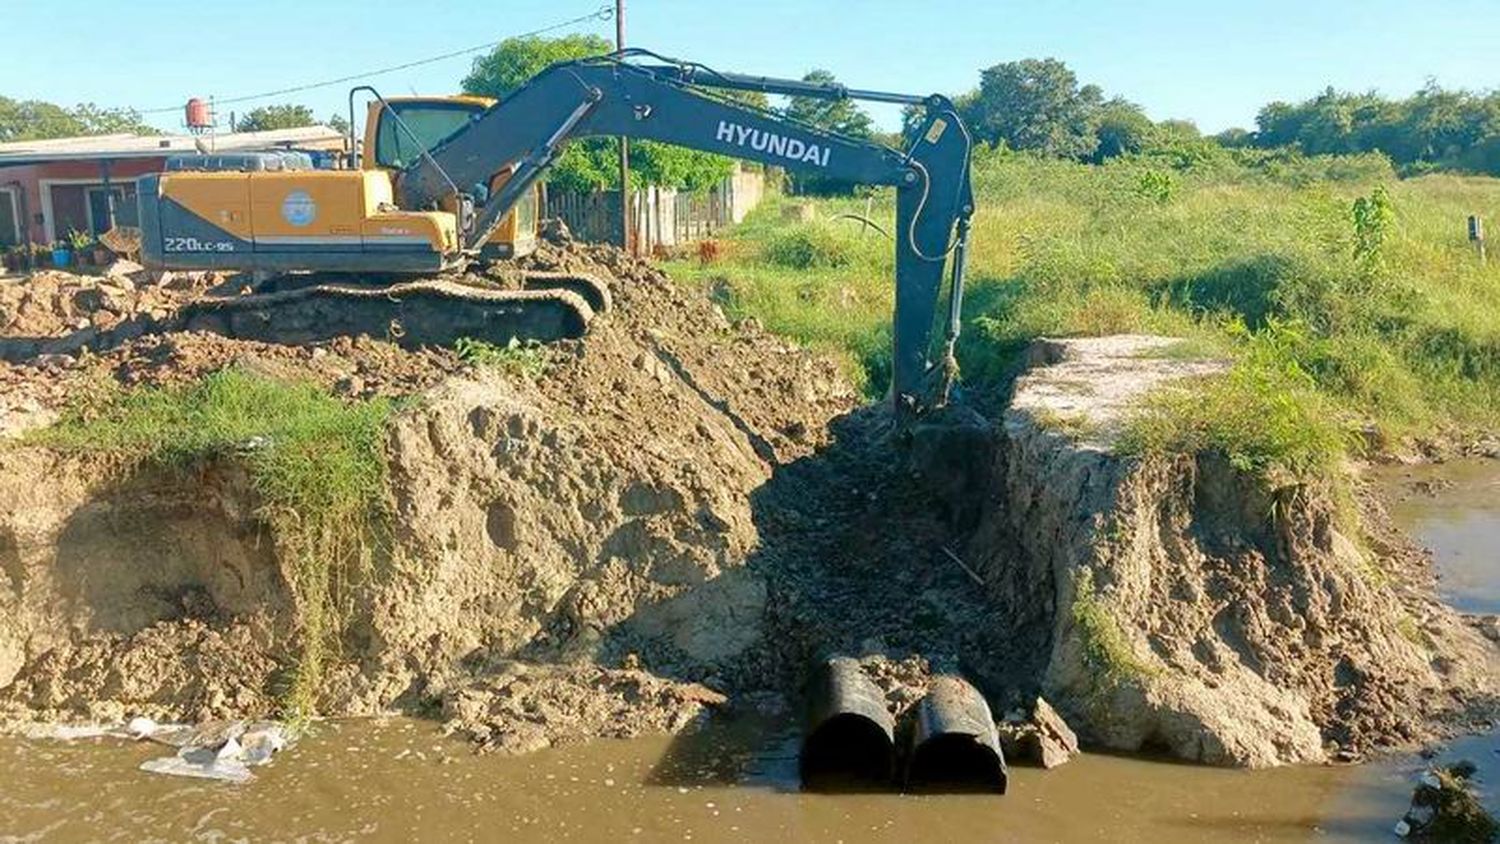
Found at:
<point>316,463</point>
<point>1405,337</point>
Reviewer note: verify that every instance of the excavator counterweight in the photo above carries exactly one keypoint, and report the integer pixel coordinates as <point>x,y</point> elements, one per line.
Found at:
<point>447,182</point>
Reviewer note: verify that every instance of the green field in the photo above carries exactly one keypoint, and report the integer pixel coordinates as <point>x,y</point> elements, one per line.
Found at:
<point>1343,315</point>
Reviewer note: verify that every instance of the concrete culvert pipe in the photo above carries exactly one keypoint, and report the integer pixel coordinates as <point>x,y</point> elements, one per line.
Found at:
<point>954,746</point>
<point>850,739</point>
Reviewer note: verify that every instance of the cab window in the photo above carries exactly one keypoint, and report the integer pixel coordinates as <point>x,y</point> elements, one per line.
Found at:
<point>426,125</point>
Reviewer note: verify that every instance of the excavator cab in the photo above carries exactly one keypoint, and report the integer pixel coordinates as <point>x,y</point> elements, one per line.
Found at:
<point>401,130</point>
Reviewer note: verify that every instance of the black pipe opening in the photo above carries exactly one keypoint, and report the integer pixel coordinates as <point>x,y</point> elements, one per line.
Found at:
<point>956,762</point>
<point>847,752</point>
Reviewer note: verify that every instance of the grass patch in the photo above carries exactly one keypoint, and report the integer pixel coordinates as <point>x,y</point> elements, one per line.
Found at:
<point>316,463</point>
<point>1074,426</point>
<point>1265,416</point>
<point>1107,656</point>
<point>1398,324</point>
<point>527,360</point>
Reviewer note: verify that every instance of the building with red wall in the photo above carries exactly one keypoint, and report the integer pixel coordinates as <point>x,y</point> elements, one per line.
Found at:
<point>53,187</point>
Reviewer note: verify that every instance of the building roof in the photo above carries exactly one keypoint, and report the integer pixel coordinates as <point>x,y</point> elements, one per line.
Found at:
<point>95,147</point>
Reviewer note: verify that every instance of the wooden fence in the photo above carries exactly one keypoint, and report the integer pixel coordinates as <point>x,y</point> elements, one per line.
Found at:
<point>661,217</point>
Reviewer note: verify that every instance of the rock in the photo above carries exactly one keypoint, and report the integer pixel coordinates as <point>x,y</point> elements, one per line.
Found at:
<point>1444,808</point>
<point>1055,740</point>
<point>556,231</point>
<point>88,299</point>
<point>1043,738</point>
<point>1487,625</point>
<point>123,269</point>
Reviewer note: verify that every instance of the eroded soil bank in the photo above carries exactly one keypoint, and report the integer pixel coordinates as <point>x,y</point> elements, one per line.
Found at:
<point>682,513</point>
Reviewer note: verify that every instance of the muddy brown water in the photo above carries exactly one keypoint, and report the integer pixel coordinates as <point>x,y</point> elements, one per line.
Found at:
<point>400,779</point>
<point>1453,509</point>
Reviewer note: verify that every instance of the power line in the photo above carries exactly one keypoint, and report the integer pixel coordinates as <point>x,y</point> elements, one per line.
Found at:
<point>602,13</point>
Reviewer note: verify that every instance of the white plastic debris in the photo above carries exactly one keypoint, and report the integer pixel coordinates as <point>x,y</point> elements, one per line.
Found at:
<point>1402,829</point>
<point>219,750</point>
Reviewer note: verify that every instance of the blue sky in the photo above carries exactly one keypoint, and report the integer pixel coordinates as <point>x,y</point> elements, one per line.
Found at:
<point>1215,63</point>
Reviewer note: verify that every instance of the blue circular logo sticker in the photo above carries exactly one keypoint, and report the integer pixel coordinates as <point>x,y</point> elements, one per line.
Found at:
<point>298,208</point>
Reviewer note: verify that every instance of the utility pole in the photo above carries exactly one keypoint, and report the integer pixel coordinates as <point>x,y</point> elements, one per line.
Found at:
<point>626,239</point>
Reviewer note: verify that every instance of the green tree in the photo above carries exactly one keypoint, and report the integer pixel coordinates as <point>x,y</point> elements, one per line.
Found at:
<point>1036,104</point>
<point>338,123</point>
<point>30,120</point>
<point>98,120</point>
<point>1234,138</point>
<point>842,116</point>
<point>592,163</point>
<point>1435,128</point>
<point>282,116</point>
<point>1121,128</point>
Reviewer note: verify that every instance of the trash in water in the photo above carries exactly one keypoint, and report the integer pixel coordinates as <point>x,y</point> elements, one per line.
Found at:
<point>218,750</point>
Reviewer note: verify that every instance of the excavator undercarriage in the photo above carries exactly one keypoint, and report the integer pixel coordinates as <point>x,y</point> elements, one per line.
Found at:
<point>545,307</point>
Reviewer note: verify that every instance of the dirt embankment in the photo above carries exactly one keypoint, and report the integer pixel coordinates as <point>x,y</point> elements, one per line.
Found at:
<point>680,508</point>
<point>582,534</point>
<point>1177,605</point>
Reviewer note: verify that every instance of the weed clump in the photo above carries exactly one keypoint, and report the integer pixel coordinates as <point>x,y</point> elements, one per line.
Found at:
<point>1264,416</point>
<point>810,246</point>
<point>526,360</point>
<point>316,464</point>
<point>1108,658</point>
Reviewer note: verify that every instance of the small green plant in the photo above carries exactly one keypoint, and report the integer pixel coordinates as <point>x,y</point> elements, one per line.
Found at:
<point>1374,216</point>
<point>316,463</point>
<point>526,360</point>
<point>1156,185</point>
<point>79,241</point>
<point>1074,426</point>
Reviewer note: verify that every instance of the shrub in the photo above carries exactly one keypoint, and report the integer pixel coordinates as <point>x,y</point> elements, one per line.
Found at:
<point>810,246</point>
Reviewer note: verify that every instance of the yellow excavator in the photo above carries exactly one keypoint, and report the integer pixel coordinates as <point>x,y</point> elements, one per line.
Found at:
<point>447,183</point>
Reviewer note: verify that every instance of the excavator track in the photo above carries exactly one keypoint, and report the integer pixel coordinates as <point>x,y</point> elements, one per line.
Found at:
<point>549,307</point>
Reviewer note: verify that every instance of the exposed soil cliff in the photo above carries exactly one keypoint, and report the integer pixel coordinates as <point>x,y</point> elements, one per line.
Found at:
<point>1179,605</point>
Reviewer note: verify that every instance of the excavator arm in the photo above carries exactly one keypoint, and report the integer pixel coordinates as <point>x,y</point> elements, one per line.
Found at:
<point>674,102</point>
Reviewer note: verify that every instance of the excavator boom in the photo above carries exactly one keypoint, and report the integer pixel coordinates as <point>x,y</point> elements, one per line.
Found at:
<point>671,102</point>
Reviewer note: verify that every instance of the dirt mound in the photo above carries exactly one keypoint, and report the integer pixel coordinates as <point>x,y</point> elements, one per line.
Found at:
<point>520,707</point>
<point>52,304</point>
<point>597,514</point>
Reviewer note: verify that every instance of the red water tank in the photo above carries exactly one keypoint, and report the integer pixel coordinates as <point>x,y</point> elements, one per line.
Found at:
<point>198,116</point>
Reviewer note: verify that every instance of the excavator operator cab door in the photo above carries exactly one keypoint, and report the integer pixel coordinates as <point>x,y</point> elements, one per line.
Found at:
<point>420,123</point>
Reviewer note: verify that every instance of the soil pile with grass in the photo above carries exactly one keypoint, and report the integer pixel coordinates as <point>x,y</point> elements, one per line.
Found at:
<point>580,506</point>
